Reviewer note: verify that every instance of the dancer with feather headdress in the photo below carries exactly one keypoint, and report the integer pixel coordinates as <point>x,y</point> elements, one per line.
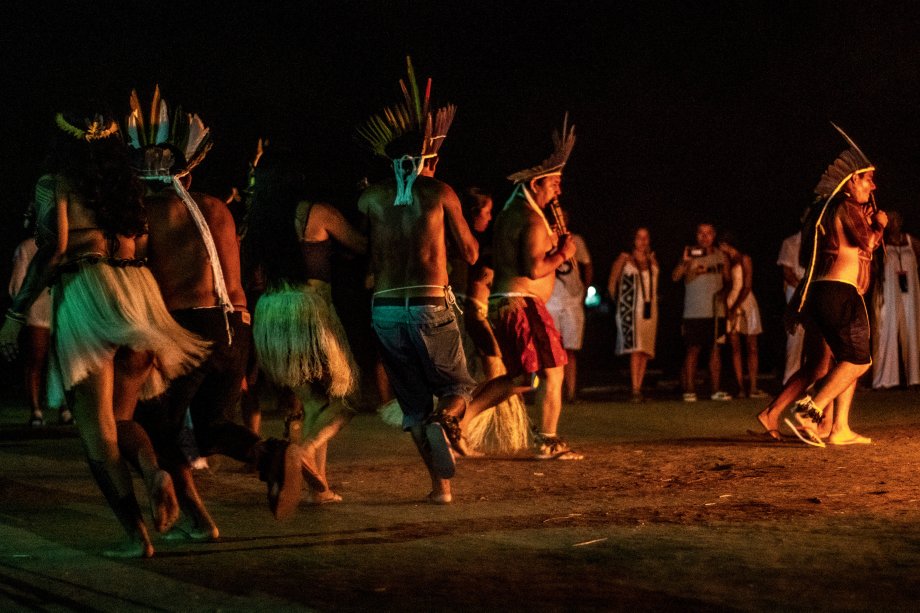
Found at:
<point>527,254</point>
<point>194,254</point>
<point>840,234</point>
<point>412,310</point>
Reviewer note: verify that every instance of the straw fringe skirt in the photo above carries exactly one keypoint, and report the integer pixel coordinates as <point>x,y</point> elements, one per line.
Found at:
<point>299,340</point>
<point>99,307</point>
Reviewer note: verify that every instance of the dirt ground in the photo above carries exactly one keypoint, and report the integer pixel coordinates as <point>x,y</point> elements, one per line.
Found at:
<point>675,507</point>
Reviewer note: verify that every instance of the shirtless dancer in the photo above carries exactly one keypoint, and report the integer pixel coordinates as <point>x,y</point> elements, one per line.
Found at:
<point>527,254</point>
<point>413,306</point>
<point>193,253</point>
<point>839,239</point>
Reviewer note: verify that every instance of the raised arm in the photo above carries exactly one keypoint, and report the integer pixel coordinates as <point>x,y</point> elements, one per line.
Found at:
<point>861,231</point>
<point>538,256</point>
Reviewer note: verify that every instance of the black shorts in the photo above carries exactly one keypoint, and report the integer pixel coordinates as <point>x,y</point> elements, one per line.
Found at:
<point>839,312</point>
<point>702,331</point>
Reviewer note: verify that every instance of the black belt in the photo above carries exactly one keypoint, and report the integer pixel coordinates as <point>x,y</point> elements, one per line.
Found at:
<point>411,301</point>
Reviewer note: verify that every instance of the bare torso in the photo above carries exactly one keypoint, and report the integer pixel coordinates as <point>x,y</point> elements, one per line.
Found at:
<point>177,255</point>
<point>408,242</point>
<point>519,231</point>
<point>843,259</point>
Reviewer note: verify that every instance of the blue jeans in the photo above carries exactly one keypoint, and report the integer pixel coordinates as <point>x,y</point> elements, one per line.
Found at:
<point>423,356</point>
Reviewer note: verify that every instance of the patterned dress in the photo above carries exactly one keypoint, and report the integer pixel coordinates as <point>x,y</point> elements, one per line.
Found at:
<point>635,331</point>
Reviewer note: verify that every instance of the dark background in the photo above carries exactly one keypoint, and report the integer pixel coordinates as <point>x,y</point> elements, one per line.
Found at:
<point>685,111</point>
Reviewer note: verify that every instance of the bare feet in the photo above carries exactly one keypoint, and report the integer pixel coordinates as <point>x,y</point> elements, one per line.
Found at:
<point>163,502</point>
<point>325,497</point>
<point>311,473</point>
<point>773,432</point>
<point>848,438</point>
<point>195,534</point>
<point>131,548</point>
<point>440,498</point>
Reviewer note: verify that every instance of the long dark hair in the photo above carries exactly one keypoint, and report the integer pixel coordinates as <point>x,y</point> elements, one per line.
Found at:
<point>271,244</point>
<point>98,172</point>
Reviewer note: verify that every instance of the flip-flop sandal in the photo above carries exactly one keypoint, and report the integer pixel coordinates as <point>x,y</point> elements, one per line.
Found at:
<point>442,458</point>
<point>804,434</point>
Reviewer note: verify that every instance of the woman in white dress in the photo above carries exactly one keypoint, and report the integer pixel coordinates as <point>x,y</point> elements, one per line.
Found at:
<point>743,316</point>
<point>897,305</point>
<point>633,285</point>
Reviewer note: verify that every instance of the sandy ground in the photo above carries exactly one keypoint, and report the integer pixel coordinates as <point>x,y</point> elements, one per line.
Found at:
<point>674,508</point>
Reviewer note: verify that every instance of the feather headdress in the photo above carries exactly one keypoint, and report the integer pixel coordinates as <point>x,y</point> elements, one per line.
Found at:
<point>563,142</point>
<point>412,117</point>
<point>166,146</point>
<point>850,162</point>
<point>96,128</point>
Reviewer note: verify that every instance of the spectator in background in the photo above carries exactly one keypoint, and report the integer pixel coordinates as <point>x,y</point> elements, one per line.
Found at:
<point>36,335</point>
<point>633,285</point>
<point>566,305</point>
<point>704,270</point>
<point>743,315</point>
<point>793,271</point>
<point>897,306</point>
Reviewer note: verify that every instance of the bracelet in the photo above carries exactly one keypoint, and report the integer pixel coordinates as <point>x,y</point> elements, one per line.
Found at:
<point>14,316</point>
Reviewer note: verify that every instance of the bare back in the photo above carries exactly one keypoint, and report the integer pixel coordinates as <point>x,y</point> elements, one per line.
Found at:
<point>408,242</point>
<point>78,227</point>
<point>177,255</point>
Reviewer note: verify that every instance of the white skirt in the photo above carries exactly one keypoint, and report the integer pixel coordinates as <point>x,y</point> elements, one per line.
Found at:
<point>97,308</point>
<point>299,340</point>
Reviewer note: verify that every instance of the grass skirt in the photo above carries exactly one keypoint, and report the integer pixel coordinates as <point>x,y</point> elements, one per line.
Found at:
<point>299,340</point>
<point>99,307</point>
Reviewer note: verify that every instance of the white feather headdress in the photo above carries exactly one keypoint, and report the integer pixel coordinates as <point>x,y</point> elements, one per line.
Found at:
<point>166,146</point>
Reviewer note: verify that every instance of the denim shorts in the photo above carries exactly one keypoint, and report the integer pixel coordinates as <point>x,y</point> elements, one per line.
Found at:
<point>423,355</point>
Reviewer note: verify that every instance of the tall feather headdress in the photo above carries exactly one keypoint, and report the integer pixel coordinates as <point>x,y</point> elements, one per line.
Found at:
<point>413,116</point>
<point>166,145</point>
<point>851,161</point>
<point>563,142</point>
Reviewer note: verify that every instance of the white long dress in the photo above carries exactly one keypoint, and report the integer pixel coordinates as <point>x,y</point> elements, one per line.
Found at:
<point>896,320</point>
<point>635,332</point>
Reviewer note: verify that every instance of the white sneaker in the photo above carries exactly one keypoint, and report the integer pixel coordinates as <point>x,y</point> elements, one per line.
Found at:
<point>689,397</point>
<point>721,396</point>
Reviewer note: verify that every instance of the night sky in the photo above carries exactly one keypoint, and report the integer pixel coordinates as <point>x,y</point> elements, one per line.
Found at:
<point>685,111</point>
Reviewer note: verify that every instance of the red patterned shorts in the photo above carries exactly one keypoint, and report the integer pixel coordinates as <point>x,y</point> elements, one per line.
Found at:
<point>526,335</point>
